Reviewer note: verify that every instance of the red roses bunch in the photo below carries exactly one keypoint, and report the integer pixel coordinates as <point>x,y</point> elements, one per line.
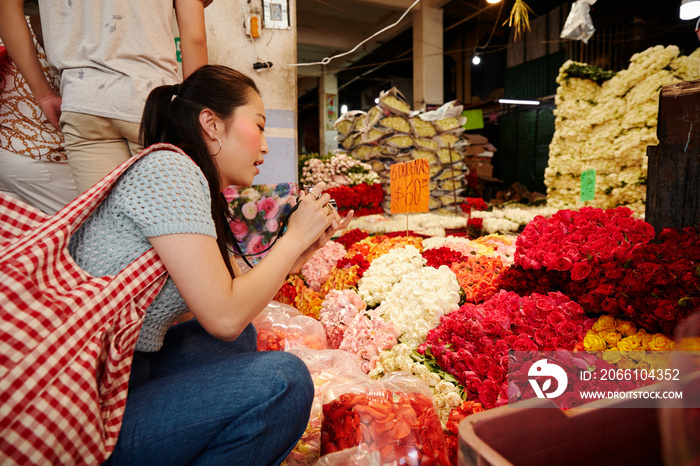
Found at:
<point>452,427</point>
<point>364,199</point>
<point>436,257</point>
<point>351,237</point>
<point>574,241</point>
<point>658,286</point>
<point>473,203</point>
<point>654,284</point>
<point>472,343</point>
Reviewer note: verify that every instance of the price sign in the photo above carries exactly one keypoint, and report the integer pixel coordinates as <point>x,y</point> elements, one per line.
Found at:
<point>410,188</point>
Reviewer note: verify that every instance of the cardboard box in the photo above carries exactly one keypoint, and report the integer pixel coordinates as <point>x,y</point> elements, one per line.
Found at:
<point>607,432</point>
<point>482,167</point>
<point>538,433</point>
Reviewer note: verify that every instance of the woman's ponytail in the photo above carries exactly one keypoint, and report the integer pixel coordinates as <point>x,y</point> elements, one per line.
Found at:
<point>157,115</point>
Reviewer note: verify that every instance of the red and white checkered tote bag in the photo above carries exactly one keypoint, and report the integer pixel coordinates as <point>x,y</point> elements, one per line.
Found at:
<point>66,337</point>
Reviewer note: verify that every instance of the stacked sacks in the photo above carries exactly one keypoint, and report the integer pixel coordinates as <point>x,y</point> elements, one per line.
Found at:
<point>605,121</point>
<point>391,133</point>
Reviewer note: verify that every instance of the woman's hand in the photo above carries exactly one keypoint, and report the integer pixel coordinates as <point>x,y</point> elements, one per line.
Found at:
<point>332,220</point>
<point>311,218</point>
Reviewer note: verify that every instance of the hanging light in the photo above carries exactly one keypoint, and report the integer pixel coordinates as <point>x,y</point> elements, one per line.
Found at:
<point>690,9</point>
<point>476,59</point>
<point>343,109</point>
<point>493,1</point>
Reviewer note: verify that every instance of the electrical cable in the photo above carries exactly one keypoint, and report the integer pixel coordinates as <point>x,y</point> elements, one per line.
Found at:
<point>327,60</point>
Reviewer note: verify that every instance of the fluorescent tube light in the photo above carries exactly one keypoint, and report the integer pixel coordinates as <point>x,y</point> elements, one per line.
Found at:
<point>518,102</point>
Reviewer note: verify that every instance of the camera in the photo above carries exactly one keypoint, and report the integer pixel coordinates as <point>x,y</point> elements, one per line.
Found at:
<point>331,202</point>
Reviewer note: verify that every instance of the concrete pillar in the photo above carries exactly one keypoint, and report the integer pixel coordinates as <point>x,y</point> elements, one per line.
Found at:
<point>229,45</point>
<point>427,56</point>
<point>328,112</point>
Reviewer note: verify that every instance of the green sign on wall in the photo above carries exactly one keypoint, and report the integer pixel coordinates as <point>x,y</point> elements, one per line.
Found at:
<point>475,119</point>
<point>178,50</point>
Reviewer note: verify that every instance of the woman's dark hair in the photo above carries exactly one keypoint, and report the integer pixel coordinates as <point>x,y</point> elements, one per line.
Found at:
<point>171,115</point>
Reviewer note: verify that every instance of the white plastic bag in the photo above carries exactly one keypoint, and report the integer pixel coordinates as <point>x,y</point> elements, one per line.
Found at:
<point>579,25</point>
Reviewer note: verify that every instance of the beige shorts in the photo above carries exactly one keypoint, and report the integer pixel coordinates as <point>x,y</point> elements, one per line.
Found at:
<point>96,145</point>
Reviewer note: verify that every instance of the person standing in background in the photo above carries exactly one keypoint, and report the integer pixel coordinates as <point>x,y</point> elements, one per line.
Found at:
<point>110,54</point>
<point>33,165</point>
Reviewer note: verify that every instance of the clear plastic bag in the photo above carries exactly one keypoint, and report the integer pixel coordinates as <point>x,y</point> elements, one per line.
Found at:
<point>323,365</point>
<point>579,25</point>
<point>281,327</point>
<point>394,416</point>
<point>355,456</point>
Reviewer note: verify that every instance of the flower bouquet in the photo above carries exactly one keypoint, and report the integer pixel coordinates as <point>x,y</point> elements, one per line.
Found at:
<point>339,309</point>
<point>394,416</point>
<point>364,199</point>
<point>353,184</point>
<point>323,365</point>
<point>281,327</point>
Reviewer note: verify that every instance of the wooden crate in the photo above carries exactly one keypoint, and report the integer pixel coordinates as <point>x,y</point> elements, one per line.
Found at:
<point>673,176</point>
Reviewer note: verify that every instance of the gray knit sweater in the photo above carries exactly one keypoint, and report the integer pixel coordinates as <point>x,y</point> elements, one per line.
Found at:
<point>161,194</point>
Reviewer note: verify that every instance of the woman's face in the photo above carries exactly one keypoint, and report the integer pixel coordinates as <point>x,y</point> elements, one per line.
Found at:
<point>243,144</point>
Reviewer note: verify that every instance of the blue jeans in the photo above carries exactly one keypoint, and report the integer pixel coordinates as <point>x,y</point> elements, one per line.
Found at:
<point>203,401</point>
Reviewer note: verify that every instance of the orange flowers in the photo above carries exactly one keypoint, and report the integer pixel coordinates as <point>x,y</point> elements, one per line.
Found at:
<point>295,293</point>
<point>401,426</point>
<point>476,276</point>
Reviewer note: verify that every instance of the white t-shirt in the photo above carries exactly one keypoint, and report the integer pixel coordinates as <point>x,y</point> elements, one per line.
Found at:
<point>110,53</point>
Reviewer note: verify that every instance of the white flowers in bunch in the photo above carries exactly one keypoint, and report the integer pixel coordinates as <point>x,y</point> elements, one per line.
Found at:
<point>446,395</point>
<point>387,270</point>
<point>369,178</point>
<point>439,241</point>
<point>608,127</point>
<point>499,225</point>
<point>433,223</point>
<point>338,170</point>
<point>315,171</point>
<point>416,303</point>
<point>398,359</point>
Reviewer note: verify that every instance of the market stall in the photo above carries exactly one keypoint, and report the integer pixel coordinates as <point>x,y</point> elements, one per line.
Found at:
<point>411,323</point>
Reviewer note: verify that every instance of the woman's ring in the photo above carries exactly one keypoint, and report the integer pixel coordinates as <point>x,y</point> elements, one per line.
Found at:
<point>317,196</point>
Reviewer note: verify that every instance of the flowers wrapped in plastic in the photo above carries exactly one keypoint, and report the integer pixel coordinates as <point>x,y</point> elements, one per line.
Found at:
<point>323,365</point>
<point>394,416</point>
<point>281,327</point>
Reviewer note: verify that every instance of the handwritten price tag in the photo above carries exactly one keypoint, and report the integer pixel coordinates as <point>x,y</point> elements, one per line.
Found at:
<point>410,188</point>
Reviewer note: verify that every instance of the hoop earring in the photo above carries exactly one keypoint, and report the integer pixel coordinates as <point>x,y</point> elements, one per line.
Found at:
<point>219,141</point>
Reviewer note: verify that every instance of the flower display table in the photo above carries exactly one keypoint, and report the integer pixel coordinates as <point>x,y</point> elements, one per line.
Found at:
<point>449,311</point>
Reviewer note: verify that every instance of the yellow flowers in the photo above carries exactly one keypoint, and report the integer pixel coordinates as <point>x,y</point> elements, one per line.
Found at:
<point>611,334</point>
<point>519,17</point>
